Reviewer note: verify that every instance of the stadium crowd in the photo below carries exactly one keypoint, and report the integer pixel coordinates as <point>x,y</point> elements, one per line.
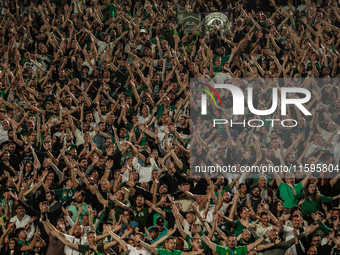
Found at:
<point>98,143</point>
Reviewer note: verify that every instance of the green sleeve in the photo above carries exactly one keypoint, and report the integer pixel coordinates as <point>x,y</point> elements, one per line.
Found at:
<point>298,187</point>
<point>324,228</point>
<point>242,249</point>
<point>300,195</point>
<point>188,239</point>
<point>282,185</point>
<point>227,188</point>
<point>325,199</point>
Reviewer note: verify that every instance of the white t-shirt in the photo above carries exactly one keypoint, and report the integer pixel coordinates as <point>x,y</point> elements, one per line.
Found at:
<point>68,250</point>
<point>145,173</point>
<point>221,77</point>
<point>134,251</point>
<point>231,177</point>
<point>326,135</point>
<point>288,235</point>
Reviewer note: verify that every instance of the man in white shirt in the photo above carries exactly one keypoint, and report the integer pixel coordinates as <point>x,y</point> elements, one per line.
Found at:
<point>145,173</point>
<point>138,249</point>
<point>3,131</point>
<point>21,220</point>
<point>288,232</point>
<point>77,238</point>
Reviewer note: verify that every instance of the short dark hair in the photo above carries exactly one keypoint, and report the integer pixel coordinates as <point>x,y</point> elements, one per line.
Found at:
<point>154,229</point>
<point>51,192</point>
<point>91,232</point>
<point>130,212</point>
<point>263,214</point>
<point>294,209</point>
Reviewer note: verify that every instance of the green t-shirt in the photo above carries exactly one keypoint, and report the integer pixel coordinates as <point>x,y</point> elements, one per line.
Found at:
<point>109,11</point>
<point>224,59</point>
<point>310,206</point>
<point>225,189</point>
<point>241,250</point>
<point>65,194</point>
<point>166,252</point>
<point>86,250</point>
<point>238,229</point>
<point>141,217</point>
<point>287,194</point>
<point>204,246</point>
<point>26,243</point>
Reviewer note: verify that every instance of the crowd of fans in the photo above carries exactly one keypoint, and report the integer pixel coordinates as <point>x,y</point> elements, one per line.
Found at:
<point>98,146</point>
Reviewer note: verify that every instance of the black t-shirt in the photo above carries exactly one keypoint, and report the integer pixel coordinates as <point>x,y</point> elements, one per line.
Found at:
<point>184,131</point>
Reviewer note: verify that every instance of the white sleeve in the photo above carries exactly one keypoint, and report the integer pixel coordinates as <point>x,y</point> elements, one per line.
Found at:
<point>153,164</point>
<point>70,221</point>
<point>30,232</point>
<point>136,165</point>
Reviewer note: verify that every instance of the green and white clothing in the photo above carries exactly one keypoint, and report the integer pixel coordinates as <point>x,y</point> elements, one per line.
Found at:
<point>240,250</point>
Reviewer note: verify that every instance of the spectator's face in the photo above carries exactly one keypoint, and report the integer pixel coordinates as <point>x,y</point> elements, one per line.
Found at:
<point>49,197</point>
<point>45,207</point>
<point>244,213</point>
<point>139,201</point>
<point>256,192</point>
<point>171,245</point>
<point>105,185</point>
<point>311,188</point>
<point>23,235</point>
<point>231,242</point>
<point>30,125</point>
<point>270,153</point>
<point>316,240</point>
<point>165,118</point>
<point>79,198</point>
<point>226,197</point>
<point>243,189</point>
<point>6,156</point>
<point>101,126</point>
<point>48,183</point>
<point>85,220</point>
<point>295,222</point>
<point>60,225</point>
<point>102,162</point>
<point>220,180</point>
<point>5,124</point>
<point>78,231</point>
<point>335,214</point>
<point>122,133</point>
<point>291,158</point>
<point>11,148</point>
<point>126,216</point>
<point>10,135</point>
<point>20,211</point>
<point>273,236</point>
<point>162,189</point>
<point>290,179</point>
<point>312,251</point>
<point>262,182</point>
<point>331,126</point>
<point>246,235</point>
<point>11,244</point>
